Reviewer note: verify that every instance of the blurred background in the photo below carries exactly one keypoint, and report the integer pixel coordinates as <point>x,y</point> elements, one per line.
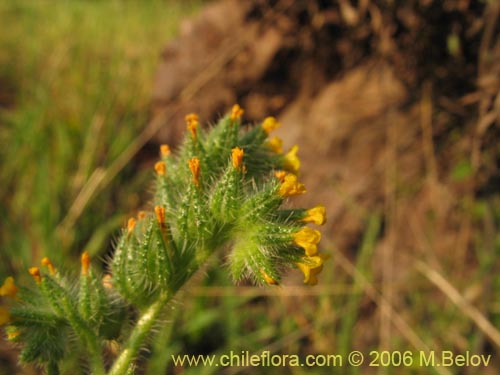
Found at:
<point>395,107</point>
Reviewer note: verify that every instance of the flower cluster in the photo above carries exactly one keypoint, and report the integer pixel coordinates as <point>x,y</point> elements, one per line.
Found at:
<point>224,189</point>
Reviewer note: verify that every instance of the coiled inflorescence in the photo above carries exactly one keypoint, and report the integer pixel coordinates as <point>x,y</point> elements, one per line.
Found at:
<point>224,188</point>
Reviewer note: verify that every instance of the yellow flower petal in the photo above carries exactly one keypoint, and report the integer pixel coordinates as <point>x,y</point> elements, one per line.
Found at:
<point>316,215</point>
<point>292,161</point>
<point>9,288</point>
<point>275,144</point>
<point>270,124</point>
<point>290,186</point>
<point>311,267</point>
<point>308,239</point>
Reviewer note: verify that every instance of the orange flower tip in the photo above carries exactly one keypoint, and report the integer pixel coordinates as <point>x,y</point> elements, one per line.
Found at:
<point>291,186</point>
<point>237,157</point>
<point>193,129</point>
<point>236,112</point>
<point>85,260</point>
<point>165,150</point>
<point>131,225</point>
<point>9,288</point>
<point>35,272</point>
<point>275,144</point>
<point>291,161</point>
<point>268,279</point>
<point>161,168</point>
<point>192,124</point>
<point>141,215</point>
<point>192,117</point>
<point>316,215</point>
<point>107,281</point>
<point>270,124</point>
<point>160,214</point>
<point>194,166</point>
<point>47,263</point>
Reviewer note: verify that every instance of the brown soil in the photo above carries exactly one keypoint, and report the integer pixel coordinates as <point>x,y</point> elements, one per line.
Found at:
<point>383,100</point>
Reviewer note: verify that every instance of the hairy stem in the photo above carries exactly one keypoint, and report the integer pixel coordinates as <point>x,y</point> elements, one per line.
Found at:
<point>138,336</point>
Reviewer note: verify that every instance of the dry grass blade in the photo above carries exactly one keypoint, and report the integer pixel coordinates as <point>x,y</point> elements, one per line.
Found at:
<point>401,325</point>
<point>454,295</point>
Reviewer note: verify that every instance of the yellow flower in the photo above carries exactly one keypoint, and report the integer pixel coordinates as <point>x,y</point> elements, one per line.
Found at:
<point>165,150</point>
<point>270,124</point>
<point>290,186</point>
<point>4,316</point>
<point>194,166</point>
<point>316,215</point>
<point>237,157</point>
<point>275,144</point>
<point>268,279</point>
<point>292,161</point>
<point>9,288</point>
<point>161,168</point>
<point>311,267</point>
<point>236,112</point>
<point>308,239</point>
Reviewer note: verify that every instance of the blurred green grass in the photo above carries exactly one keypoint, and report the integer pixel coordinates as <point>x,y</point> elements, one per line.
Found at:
<point>75,83</point>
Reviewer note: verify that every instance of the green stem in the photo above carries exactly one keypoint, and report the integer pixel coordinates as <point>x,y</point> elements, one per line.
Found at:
<point>138,336</point>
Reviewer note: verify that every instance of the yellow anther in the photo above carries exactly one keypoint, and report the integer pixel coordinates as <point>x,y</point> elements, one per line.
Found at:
<point>161,168</point>
<point>194,166</point>
<point>47,263</point>
<point>237,157</point>
<point>35,272</point>
<point>236,112</point>
<point>85,260</point>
